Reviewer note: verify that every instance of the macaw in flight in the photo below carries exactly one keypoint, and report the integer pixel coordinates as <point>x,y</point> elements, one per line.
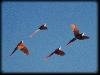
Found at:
<point>77,34</point>
<point>57,51</point>
<point>42,27</point>
<point>21,46</point>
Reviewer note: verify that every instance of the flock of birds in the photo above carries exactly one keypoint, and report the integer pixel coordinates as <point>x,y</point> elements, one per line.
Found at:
<point>77,36</point>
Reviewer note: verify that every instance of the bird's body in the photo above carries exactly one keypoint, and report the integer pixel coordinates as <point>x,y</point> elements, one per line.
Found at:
<point>43,27</point>
<point>79,36</point>
<point>59,52</point>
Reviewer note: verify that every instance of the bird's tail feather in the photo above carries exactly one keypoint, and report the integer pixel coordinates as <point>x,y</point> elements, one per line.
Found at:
<point>34,33</point>
<point>12,52</point>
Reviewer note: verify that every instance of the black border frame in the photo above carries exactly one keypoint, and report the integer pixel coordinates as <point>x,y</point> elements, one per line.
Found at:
<point>98,68</point>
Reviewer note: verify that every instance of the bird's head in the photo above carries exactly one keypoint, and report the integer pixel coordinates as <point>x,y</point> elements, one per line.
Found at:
<point>22,41</point>
<point>83,34</point>
<point>59,47</point>
<point>45,25</point>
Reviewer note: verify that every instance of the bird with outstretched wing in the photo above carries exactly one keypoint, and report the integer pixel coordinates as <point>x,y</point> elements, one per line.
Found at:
<point>77,34</point>
<point>42,27</point>
<point>57,51</point>
<point>21,46</point>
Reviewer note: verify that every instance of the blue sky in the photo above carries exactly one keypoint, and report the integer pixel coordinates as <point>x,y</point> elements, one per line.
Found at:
<point>20,19</point>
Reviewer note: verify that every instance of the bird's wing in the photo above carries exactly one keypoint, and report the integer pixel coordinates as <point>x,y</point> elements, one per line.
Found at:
<point>71,41</point>
<point>14,51</point>
<point>23,48</point>
<point>75,29</point>
<point>86,37</point>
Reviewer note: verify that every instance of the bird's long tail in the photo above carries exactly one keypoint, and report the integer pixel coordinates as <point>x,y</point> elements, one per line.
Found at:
<point>34,33</point>
<point>13,52</point>
<point>71,41</point>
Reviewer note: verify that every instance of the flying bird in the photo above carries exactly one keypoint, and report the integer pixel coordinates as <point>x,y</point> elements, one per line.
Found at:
<point>77,34</point>
<point>42,27</point>
<point>21,46</point>
<point>57,51</point>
